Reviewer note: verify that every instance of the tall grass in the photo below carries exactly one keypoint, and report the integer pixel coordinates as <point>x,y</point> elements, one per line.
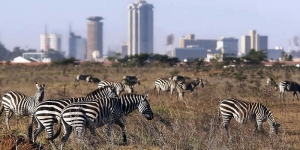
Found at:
<point>192,123</point>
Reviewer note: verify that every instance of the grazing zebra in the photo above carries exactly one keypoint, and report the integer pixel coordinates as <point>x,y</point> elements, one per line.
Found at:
<point>178,78</point>
<point>17,103</point>
<point>94,114</point>
<point>90,79</point>
<point>119,86</point>
<point>131,80</point>
<point>48,112</point>
<point>190,86</point>
<point>243,111</point>
<point>288,86</point>
<point>165,85</point>
<point>82,77</point>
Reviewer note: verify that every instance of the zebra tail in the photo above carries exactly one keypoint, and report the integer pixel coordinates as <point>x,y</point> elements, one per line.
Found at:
<point>57,133</point>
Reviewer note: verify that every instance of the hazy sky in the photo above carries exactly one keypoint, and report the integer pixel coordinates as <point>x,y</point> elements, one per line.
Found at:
<point>22,21</point>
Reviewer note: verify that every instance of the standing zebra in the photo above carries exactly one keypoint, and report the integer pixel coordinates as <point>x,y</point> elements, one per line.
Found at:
<point>190,86</point>
<point>131,80</point>
<point>90,79</point>
<point>243,111</point>
<point>94,114</point>
<point>119,86</point>
<point>17,103</point>
<point>289,86</point>
<point>48,112</point>
<point>165,85</point>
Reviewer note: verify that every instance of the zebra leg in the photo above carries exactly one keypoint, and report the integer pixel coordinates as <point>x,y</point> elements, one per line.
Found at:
<point>66,135</point>
<point>9,114</point>
<point>38,130</point>
<point>225,123</point>
<point>122,126</point>
<point>29,129</point>
<point>50,134</point>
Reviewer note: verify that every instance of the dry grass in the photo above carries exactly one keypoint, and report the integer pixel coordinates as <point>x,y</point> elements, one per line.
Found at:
<point>192,123</point>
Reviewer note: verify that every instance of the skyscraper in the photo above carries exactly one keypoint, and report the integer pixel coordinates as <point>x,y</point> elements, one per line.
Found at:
<point>140,28</point>
<point>253,41</point>
<point>52,41</point>
<point>94,36</point>
<point>77,46</point>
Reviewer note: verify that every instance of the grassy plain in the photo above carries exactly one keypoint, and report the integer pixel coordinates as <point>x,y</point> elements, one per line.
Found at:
<point>192,123</point>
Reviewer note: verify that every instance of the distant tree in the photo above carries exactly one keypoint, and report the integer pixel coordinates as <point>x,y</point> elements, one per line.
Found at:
<point>256,56</point>
<point>4,53</point>
<point>286,56</point>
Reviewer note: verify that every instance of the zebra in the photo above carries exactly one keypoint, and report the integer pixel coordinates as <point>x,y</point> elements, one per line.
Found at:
<point>48,112</point>
<point>165,85</point>
<point>288,86</point>
<point>178,78</point>
<point>82,77</point>
<point>92,79</point>
<point>119,86</point>
<point>191,85</point>
<point>17,103</point>
<point>243,111</point>
<point>93,114</point>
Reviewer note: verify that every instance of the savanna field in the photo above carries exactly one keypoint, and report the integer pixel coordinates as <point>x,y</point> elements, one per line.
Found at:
<point>191,123</point>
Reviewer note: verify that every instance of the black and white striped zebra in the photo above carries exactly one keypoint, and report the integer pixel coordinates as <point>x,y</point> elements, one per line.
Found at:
<point>243,111</point>
<point>288,86</point>
<point>20,104</point>
<point>82,77</point>
<point>165,85</point>
<point>94,114</point>
<point>188,86</point>
<point>119,86</point>
<point>48,112</point>
<point>272,82</point>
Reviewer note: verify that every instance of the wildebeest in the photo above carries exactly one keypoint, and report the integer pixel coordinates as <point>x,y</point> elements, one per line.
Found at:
<point>82,77</point>
<point>92,80</point>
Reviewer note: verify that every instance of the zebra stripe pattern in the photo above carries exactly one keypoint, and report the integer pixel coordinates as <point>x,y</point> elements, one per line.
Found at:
<point>189,86</point>
<point>288,86</point>
<point>17,103</point>
<point>48,112</point>
<point>165,85</point>
<point>243,111</point>
<point>119,86</point>
<point>94,114</point>
<point>82,77</point>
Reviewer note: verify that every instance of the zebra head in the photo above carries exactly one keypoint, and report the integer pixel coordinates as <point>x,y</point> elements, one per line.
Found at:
<point>144,107</point>
<point>199,82</point>
<point>274,128</point>
<point>40,92</point>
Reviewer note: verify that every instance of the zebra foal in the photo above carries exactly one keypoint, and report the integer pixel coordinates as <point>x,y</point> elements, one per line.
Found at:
<point>20,104</point>
<point>94,114</point>
<point>48,112</point>
<point>243,111</point>
<point>288,86</point>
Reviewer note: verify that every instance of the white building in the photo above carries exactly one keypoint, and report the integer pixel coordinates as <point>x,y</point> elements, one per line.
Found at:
<point>51,41</point>
<point>140,28</point>
<point>228,45</point>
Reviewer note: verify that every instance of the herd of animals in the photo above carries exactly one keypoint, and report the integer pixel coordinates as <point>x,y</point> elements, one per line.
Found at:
<point>106,105</point>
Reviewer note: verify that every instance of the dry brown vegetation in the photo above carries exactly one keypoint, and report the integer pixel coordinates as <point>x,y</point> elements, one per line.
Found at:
<point>192,123</point>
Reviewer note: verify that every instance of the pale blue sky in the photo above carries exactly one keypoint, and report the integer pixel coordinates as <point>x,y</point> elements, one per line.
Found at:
<point>22,21</point>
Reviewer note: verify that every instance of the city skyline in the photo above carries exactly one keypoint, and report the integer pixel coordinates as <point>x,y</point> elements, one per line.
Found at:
<point>206,19</point>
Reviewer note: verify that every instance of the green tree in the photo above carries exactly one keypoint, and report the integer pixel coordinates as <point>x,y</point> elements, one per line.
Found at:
<point>256,56</point>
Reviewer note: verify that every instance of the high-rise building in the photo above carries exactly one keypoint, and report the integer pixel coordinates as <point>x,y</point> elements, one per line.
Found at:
<point>94,37</point>
<point>124,49</point>
<point>253,41</point>
<point>51,41</point>
<point>77,46</point>
<point>140,28</point>
<point>189,40</point>
<point>228,45</point>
